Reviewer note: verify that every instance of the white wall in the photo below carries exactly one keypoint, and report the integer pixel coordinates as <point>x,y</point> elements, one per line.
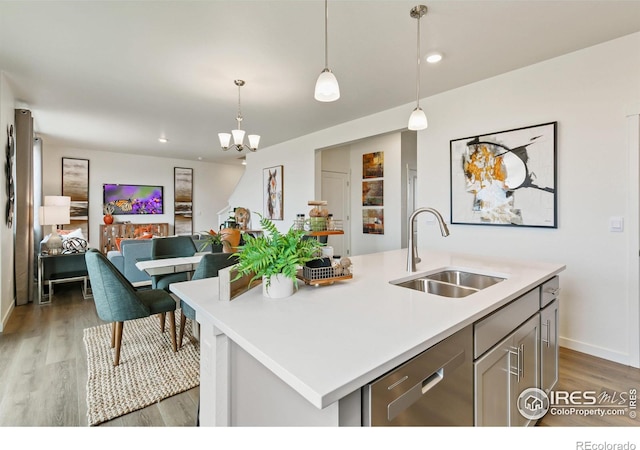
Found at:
<point>588,92</point>
<point>7,114</point>
<point>212,184</point>
<point>370,243</point>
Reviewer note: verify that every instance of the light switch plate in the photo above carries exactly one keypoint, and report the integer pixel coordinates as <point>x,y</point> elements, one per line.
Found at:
<point>616,224</point>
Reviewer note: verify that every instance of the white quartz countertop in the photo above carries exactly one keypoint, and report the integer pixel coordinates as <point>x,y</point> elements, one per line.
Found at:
<point>327,341</point>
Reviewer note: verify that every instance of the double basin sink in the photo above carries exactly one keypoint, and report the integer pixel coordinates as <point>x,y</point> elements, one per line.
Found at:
<point>450,283</point>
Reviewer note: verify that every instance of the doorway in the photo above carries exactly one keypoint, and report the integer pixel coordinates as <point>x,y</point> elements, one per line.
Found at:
<point>337,192</point>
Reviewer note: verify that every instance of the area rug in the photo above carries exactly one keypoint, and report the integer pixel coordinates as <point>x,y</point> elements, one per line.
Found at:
<point>149,370</point>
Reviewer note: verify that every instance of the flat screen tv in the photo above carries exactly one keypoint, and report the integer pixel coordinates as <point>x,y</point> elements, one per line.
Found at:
<point>133,198</point>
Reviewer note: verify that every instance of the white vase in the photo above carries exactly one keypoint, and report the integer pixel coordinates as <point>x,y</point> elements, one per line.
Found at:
<point>280,286</point>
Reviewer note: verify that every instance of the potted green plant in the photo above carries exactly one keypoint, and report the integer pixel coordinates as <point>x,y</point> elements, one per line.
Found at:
<point>216,240</point>
<point>275,257</point>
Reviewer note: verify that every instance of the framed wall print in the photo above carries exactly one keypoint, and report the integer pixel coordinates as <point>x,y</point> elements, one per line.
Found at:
<point>75,184</point>
<point>507,178</point>
<point>373,165</point>
<point>373,193</point>
<point>373,221</point>
<point>183,200</point>
<point>272,181</point>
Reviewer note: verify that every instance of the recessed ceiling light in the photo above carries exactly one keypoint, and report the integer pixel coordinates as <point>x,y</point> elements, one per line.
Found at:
<point>199,158</point>
<point>434,57</point>
<point>163,139</point>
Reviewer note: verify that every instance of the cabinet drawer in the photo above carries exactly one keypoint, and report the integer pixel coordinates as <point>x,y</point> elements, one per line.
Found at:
<point>490,330</point>
<point>550,291</point>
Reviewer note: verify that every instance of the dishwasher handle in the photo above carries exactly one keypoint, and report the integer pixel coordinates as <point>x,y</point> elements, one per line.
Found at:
<point>416,392</point>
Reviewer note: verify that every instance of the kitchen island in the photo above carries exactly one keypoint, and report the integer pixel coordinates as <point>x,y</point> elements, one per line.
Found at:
<point>302,360</point>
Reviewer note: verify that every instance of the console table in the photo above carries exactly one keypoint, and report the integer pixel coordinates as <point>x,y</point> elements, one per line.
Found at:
<point>61,268</point>
<point>109,233</point>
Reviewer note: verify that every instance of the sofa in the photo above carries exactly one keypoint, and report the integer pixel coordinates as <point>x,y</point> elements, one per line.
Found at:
<point>134,250</point>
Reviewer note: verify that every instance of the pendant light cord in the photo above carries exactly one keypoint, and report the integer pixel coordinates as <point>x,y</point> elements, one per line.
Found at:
<point>326,35</point>
<point>418,67</point>
<point>239,118</point>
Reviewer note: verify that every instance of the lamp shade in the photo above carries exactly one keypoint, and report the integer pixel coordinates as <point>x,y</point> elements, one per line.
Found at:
<point>327,88</point>
<point>57,200</point>
<point>225,139</point>
<point>54,215</point>
<point>238,136</point>
<point>254,140</point>
<point>418,119</point>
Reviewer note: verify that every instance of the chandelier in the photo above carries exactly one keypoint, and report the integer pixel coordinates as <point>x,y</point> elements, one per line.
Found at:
<point>238,134</point>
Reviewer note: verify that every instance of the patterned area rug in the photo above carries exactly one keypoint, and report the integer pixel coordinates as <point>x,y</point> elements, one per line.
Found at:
<point>149,371</point>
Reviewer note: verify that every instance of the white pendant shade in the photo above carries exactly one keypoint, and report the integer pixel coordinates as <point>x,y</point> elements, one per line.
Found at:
<point>254,141</point>
<point>418,119</point>
<point>327,89</point>
<point>238,136</point>
<point>225,139</point>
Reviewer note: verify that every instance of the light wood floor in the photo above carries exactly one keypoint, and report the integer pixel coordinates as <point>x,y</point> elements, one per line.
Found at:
<point>43,369</point>
<point>43,373</point>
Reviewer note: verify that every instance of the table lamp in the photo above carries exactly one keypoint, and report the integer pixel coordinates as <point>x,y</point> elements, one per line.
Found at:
<point>56,211</point>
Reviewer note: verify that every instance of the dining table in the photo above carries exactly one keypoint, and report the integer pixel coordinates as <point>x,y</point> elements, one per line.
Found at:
<point>164,266</point>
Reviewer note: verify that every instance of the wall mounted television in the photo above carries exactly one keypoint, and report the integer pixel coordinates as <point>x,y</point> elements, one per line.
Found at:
<point>133,198</point>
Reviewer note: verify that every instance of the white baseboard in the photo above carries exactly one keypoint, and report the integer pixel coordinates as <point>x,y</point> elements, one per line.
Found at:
<point>594,350</point>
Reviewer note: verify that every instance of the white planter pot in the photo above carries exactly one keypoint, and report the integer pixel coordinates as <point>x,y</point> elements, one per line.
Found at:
<point>280,287</point>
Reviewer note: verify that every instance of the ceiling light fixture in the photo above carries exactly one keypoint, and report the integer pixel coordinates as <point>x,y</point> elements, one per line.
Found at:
<point>327,89</point>
<point>418,119</point>
<point>164,140</point>
<point>238,134</point>
<point>434,57</point>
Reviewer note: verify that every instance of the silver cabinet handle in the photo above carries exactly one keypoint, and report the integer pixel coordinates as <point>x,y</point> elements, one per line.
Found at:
<point>518,371</point>
<point>548,325</point>
<point>552,291</point>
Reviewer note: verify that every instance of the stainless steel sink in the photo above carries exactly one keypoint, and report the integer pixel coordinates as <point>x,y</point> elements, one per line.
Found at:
<point>449,283</point>
<point>466,279</point>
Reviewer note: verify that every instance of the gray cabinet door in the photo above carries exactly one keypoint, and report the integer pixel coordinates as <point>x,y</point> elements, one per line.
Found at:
<point>527,365</point>
<point>549,346</point>
<point>492,386</point>
<point>503,373</point>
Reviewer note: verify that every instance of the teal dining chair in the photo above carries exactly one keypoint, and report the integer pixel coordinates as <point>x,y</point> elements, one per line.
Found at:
<point>208,267</point>
<point>117,300</point>
<point>171,247</point>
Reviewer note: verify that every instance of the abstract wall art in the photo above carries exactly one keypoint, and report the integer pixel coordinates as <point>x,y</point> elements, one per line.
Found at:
<point>183,200</point>
<point>272,181</point>
<point>507,178</point>
<point>75,184</point>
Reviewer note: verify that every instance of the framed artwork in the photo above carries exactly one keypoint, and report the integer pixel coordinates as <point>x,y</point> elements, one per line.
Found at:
<point>373,165</point>
<point>183,200</point>
<point>75,184</point>
<point>373,221</point>
<point>272,182</point>
<point>372,193</point>
<point>8,167</point>
<point>507,178</point>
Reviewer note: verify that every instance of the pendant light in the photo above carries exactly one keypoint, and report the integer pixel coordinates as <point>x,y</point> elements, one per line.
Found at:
<point>418,119</point>
<point>238,134</point>
<point>327,89</point>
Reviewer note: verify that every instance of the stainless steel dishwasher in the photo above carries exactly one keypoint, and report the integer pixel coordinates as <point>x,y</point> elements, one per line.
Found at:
<point>434,388</point>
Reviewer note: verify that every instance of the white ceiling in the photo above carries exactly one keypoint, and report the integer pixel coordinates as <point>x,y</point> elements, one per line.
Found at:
<point>116,75</point>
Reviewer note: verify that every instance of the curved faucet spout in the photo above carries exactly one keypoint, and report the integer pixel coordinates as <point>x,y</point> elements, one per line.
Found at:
<point>412,251</point>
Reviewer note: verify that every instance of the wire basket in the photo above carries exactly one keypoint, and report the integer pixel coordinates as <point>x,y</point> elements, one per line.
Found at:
<point>325,275</point>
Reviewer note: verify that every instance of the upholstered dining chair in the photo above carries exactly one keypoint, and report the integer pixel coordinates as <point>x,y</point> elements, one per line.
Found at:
<point>117,300</point>
<point>208,267</point>
<point>171,247</point>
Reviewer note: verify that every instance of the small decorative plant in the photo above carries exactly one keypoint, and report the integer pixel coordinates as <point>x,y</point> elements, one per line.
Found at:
<point>275,253</point>
<point>108,209</point>
<point>213,238</point>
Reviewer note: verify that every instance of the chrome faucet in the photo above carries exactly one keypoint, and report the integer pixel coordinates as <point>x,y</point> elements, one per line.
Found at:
<point>412,251</point>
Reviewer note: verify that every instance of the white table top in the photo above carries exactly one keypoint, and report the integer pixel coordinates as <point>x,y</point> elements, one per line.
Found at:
<point>327,341</point>
<point>169,265</point>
